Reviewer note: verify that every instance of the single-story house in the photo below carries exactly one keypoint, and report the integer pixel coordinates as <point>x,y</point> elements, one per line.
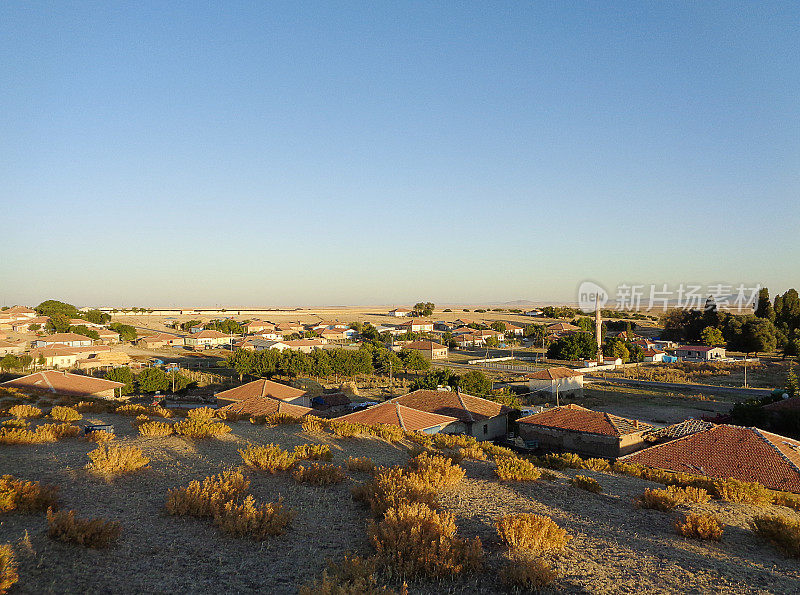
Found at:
<point>305,345</point>
<point>612,360</point>
<point>21,326</point>
<point>107,336</point>
<point>159,341</point>
<point>64,383</point>
<point>555,380</point>
<point>11,347</point>
<point>256,406</point>
<point>208,339</point>
<point>337,401</point>
<point>469,340</point>
<point>653,355</point>
<point>562,328</point>
<point>514,330</point>
<point>66,357</point>
<point>571,428</point>
<point>417,325</point>
<point>265,388</point>
<point>430,350</point>
<point>394,414</point>
<point>700,352</point>
<point>398,312</point>
<point>63,339</point>
<point>289,327</point>
<point>257,326</point>
<point>18,313</point>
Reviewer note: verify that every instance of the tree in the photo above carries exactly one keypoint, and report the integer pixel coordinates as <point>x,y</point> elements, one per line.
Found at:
<point>152,380</point>
<point>492,342</point>
<point>51,307</point>
<point>764,308</point>
<point>58,323</point>
<point>84,330</point>
<point>585,323</point>
<point>758,335</point>
<point>792,348</point>
<point>535,332</point>
<point>9,362</point>
<point>791,383</point>
<point>383,358</point>
<point>580,346</point>
<point>241,360</point>
<point>97,317</point>
<point>413,360</point>
<point>616,347</point>
<point>122,374</point>
<point>25,360</point>
<point>126,331</point>
<point>423,309</point>
<point>499,326</point>
<point>475,383</point>
<point>712,337</point>
<point>34,327</point>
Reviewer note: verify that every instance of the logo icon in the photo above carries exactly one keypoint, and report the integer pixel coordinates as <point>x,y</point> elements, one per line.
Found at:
<point>591,294</point>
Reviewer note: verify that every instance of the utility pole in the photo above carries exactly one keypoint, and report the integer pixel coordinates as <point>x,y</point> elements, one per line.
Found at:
<point>745,371</point>
<point>391,351</point>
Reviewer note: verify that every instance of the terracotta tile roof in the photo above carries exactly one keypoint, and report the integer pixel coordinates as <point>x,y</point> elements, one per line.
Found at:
<point>579,419</point>
<point>64,338</point>
<point>62,383</point>
<point>725,451</point>
<point>304,343</point>
<point>257,405</point>
<point>19,310</point>
<point>424,345</point>
<point>553,374</point>
<point>261,388</point>
<point>696,348</point>
<point>395,414</point>
<point>562,326</point>
<point>417,322</point>
<point>210,334</point>
<point>462,406</point>
<point>679,430</point>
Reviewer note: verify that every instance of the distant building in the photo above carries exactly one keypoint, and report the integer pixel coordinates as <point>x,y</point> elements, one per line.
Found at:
<point>265,388</point>
<point>417,325</point>
<point>430,350</point>
<point>63,383</point>
<point>208,339</point>
<point>555,380</point>
<point>700,352</point>
<point>63,339</point>
<point>258,406</point>
<point>398,312</point>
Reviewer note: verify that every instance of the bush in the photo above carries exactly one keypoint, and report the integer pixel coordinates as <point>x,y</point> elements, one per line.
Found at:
<point>525,573</point>
<point>64,414</point>
<point>586,483</point>
<point>362,464</point>
<point>343,429</point>
<point>25,411</point>
<point>473,452</point>
<point>436,471</point>
<point>267,457</point>
<point>198,428</point>
<point>281,419</point>
<point>562,461</point>
<point>58,431</point>
<point>425,440</point>
<point>670,497</point>
<point>531,532</point>
<point>453,441</point>
<point>131,410</point>
<point>313,452</point>
<point>599,465</point>
<point>247,519</point>
<point>746,492</point>
<point>94,533</point>
<point>495,451</point>
<point>202,413</point>
<point>159,411</point>
<point>311,425</point>
<point>353,576</point>
<point>786,499</point>
<point>23,436</point>
<point>155,429</point>
<point>100,436</point>
<point>16,423</point>
<point>700,526</point>
<point>19,495</point>
<point>514,469</point>
<point>318,474</point>
<point>202,498</point>
<point>94,406</point>
<point>8,570</point>
<point>387,432</point>
<point>782,531</point>
<point>140,419</point>
<point>111,460</point>
<point>392,487</point>
<point>413,540</point>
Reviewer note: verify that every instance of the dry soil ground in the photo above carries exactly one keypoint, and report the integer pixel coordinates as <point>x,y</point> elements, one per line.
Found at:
<point>617,548</point>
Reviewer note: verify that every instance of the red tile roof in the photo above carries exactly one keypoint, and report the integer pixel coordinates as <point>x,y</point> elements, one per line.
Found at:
<point>725,451</point>
<point>423,345</point>
<point>696,348</point>
<point>258,406</point>
<point>64,338</point>
<point>462,406</point>
<point>579,419</point>
<point>395,414</point>
<point>62,383</point>
<point>553,374</point>
<point>562,326</point>
<point>261,388</point>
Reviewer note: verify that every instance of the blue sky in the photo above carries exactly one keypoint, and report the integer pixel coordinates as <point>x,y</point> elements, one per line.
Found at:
<point>381,153</point>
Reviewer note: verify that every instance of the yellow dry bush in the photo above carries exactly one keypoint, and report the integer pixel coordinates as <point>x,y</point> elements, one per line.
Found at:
<point>344,429</point>
<point>64,414</point>
<point>495,451</point>
<point>562,461</point>
<point>526,574</point>
<point>281,419</point>
<point>312,425</point>
<point>700,526</point>
<point>159,411</point>
<point>99,436</point>
<point>22,496</point>
<point>202,498</point>
<point>25,411</point>
<point>745,492</point>
<point>154,429</point>
<point>786,499</point>
<point>313,452</point>
<point>394,486</point>
<point>531,532</point>
<point>670,497</point>
<point>205,413</point>
<point>111,460</point>
<point>420,438</point>
<point>132,410</point>
<point>473,452</point>
<point>16,423</point>
<point>319,474</point>
<point>453,441</point>
<point>387,432</point>
<point>139,420</point>
<point>94,533</point>
<point>267,457</point>
<point>413,540</point>
<point>25,436</point>
<point>8,569</point>
<point>514,469</point>
<point>600,465</point>
<point>227,415</point>
<point>782,531</point>
<point>352,576</point>
<point>436,471</point>
<point>94,406</point>
<point>586,483</point>
<point>198,428</point>
<point>362,464</point>
<point>59,431</point>
<point>256,521</point>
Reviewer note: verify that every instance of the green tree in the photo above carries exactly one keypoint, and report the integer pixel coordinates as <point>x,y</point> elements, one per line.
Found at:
<point>499,326</point>
<point>492,342</point>
<point>151,380</point>
<point>97,317</point>
<point>791,383</point>
<point>122,374</point>
<point>579,346</point>
<point>51,307</point>
<point>764,307</point>
<point>58,323</point>
<point>475,383</point>
<point>9,362</point>
<point>712,337</point>
<point>241,360</point>
<point>758,336</point>
<point>34,327</point>
<point>423,309</point>
<point>126,331</point>
<point>413,360</point>
<point>25,360</point>
<point>535,332</point>
<point>84,330</point>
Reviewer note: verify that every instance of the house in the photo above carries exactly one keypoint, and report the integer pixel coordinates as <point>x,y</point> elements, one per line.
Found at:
<point>63,339</point>
<point>417,325</point>
<point>265,388</point>
<point>103,359</point>
<point>612,360</point>
<point>514,330</point>
<point>21,326</point>
<point>481,418</point>
<point>335,334</point>
<point>107,336</point>
<point>430,350</point>
<point>443,326</point>
<point>725,451</point>
<point>653,355</point>
<point>555,380</point>
<point>257,406</point>
<point>64,383</point>
<point>463,322</point>
<point>288,328</point>
<point>65,357</point>
<point>394,414</point>
<point>398,312</point>
<point>11,347</point>
<point>160,341</point>
<point>256,326</point>
<point>700,352</point>
<point>305,345</point>
<point>18,313</point>
<point>571,428</point>
<point>533,313</point>
<point>198,328</point>
<point>208,339</point>
<point>660,344</point>
<point>272,335</point>
<point>469,340</point>
<point>487,333</point>
<point>337,401</point>
<point>561,329</point>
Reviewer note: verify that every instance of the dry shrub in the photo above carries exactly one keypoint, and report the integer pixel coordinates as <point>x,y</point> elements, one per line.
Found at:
<point>700,526</point>
<point>473,452</point>
<point>16,423</point>
<point>514,469</point>
<point>281,419</point>
<point>312,425</point>
<point>344,429</point>
<point>394,486</point>
<point>8,570</point>
<point>199,428</point>
<point>670,497</point>
<point>227,415</point>
<point>413,540</point>
<point>313,452</point>
<point>267,457</point>
<point>111,460</point>
<point>159,411</point>
<point>94,533</point>
<point>132,410</point>
<point>531,532</point>
<point>387,432</point>
<point>495,451</point>
<point>64,414</point>
<point>24,436</point>
<point>786,499</point>
<point>524,573</point>
<point>99,436</point>
<point>362,464</point>
<point>202,498</point>
<point>25,411</point>
<point>248,519</point>
<point>782,531</point>
<point>205,413</point>
<point>420,438</point>
<point>19,495</point>
<point>436,471</point>
<point>746,492</point>
<point>140,419</point>
<point>319,474</point>
<point>154,429</point>
<point>599,465</point>
<point>352,576</point>
<point>453,441</point>
<point>58,431</point>
<point>94,406</point>
<point>586,483</point>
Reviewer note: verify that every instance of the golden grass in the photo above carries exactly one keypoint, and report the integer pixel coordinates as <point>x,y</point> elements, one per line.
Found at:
<point>99,436</point>
<point>586,483</point>
<point>95,406</point>
<point>354,575</point>
<point>22,496</point>
<point>202,498</point>
<point>495,451</point>
<point>319,474</point>
<point>700,526</point>
<point>25,411</point>
<point>343,429</point>
<point>313,452</point>
<point>361,464</point>
<point>25,436</point>
<point>392,487</point>
<point>281,419</point>
<point>453,441</point>
<point>205,413</point>
<point>533,532</point>
<point>111,460</point>
<point>199,428</point>
<point>436,471</point>
<point>159,411</point>
<point>514,469</point>
<point>670,497</point>
<point>256,521</point>
<point>267,457</point>
<point>65,414</point>
<point>8,569</point>
<point>132,410</point>
<point>92,533</point>
<point>153,429</point>
<point>420,438</point>
<point>525,573</point>
<point>16,423</point>
<point>59,431</point>
<point>782,531</point>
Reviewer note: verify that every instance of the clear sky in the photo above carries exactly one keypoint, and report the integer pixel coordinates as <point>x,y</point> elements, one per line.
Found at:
<point>269,153</point>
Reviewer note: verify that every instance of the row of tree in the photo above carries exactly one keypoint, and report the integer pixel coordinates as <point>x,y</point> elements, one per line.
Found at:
<point>149,380</point>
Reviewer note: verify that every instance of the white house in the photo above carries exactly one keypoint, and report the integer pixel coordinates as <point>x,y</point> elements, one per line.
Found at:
<point>653,355</point>
<point>555,380</point>
<point>208,339</point>
<point>417,325</point>
<point>64,340</point>
<point>399,312</point>
<point>700,352</point>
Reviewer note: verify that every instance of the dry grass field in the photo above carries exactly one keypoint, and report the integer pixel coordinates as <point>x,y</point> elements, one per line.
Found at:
<point>616,547</point>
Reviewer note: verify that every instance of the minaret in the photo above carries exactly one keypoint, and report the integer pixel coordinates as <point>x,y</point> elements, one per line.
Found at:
<point>598,327</point>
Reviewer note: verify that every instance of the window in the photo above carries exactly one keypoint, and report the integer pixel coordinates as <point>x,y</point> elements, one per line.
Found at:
<point>485,429</point>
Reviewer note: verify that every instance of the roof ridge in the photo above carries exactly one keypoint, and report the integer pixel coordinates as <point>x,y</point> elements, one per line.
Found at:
<point>400,416</point>
<point>464,406</point>
<point>760,434</point>
<point>668,442</point>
